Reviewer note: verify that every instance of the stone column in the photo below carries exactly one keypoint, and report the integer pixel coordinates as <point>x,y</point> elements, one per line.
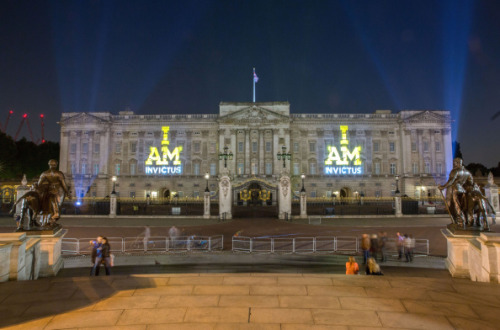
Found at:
<point>5,249</point>
<point>489,271</point>
<point>285,196</point>
<point>491,190</point>
<point>248,169</point>
<point>397,206</point>
<point>447,147</point>
<point>225,195</point>
<point>112,206</point>
<point>206,205</point>
<point>303,205</point>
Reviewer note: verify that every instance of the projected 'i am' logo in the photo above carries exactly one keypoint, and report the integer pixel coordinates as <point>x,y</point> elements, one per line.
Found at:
<point>348,161</point>
<point>164,163</point>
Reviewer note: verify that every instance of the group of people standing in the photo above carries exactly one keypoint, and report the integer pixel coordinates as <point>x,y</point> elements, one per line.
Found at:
<point>406,245</point>
<point>374,246</point>
<point>101,255</point>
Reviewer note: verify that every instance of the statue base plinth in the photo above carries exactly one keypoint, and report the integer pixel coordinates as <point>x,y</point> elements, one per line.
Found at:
<point>42,230</point>
<point>51,260</point>
<point>458,230</point>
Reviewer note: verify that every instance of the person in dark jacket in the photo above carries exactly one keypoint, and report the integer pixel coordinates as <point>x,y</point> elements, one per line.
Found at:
<point>106,256</point>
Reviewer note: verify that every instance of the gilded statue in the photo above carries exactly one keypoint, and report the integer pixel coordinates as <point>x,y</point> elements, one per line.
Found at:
<point>44,200</point>
<point>466,204</point>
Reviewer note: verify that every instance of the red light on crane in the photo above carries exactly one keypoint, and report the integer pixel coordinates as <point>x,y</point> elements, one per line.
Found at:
<point>11,112</point>
<point>41,116</point>
<point>25,115</point>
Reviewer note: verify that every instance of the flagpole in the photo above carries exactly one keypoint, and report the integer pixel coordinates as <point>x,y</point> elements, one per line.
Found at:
<point>253,78</point>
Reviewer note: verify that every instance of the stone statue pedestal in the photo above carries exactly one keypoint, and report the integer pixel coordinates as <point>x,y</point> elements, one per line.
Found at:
<point>457,260</point>
<point>225,195</point>
<point>50,250</point>
<point>112,206</point>
<point>20,257</point>
<point>473,254</point>
<point>397,206</point>
<point>206,205</point>
<point>303,205</point>
<point>285,197</point>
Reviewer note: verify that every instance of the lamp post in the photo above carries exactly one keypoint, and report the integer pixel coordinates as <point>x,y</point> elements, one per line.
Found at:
<point>303,176</point>
<point>226,155</point>
<point>284,155</point>
<point>114,185</point>
<point>397,184</point>
<point>207,176</point>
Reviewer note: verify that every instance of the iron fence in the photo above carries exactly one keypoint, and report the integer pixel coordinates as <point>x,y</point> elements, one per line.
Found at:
<point>82,246</point>
<point>321,244</point>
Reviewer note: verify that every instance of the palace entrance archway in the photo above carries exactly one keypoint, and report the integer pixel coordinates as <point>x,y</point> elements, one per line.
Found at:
<point>254,198</point>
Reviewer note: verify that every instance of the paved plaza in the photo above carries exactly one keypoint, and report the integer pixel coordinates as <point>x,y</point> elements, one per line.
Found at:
<point>430,299</point>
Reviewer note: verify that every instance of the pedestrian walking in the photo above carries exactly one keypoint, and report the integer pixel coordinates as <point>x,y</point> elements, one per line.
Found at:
<point>407,248</point>
<point>351,267</point>
<point>382,245</point>
<point>146,235</point>
<point>365,246</point>
<point>173,233</point>
<point>106,257</point>
<point>400,245</point>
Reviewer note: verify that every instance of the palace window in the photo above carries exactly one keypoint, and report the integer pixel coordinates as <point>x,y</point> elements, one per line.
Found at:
<point>268,147</point>
<point>255,168</point>
<point>85,148</point>
<point>413,147</point>
<point>72,148</point>
<point>269,168</point>
<point>439,168</point>
<point>427,168</point>
<point>196,147</point>
<point>376,146</point>
<point>240,147</point>
<point>96,169</point>
<point>84,168</point>
<point>376,168</point>
<point>73,169</point>
<point>312,168</point>
<point>296,168</point>
<point>393,168</point>
<point>438,146</point>
<point>117,169</point>
<point>97,148</point>
<point>132,168</point>
<point>415,168</point>
<point>213,169</point>
<point>241,168</point>
<point>296,147</point>
<point>312,146</point>
<point>118,147</point>
<point>392,147</point>
<point>133,147</point>
<point>196,168</point>
<point>426,146</point>
<point>254,146</point>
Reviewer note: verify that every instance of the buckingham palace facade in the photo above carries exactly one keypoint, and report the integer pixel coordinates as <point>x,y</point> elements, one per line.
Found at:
<point>345,155</point>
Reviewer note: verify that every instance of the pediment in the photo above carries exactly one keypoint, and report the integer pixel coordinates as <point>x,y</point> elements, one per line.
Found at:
<point>84,118</point>
<point>427,116</point>
<point>254,115</point>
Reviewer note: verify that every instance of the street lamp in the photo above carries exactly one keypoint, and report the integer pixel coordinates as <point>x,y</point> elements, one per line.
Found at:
<point>114,185</point>
<point>207,176</point>
<point>226,155</point>
<point>303,176</point>
<point>284,155</point>
<point>397,184</point>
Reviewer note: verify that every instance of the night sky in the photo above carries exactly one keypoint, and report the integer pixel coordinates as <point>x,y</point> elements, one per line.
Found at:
<point>321,56</point>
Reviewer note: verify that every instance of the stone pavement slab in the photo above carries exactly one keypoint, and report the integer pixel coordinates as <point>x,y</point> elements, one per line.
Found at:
<point>432,300</point>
